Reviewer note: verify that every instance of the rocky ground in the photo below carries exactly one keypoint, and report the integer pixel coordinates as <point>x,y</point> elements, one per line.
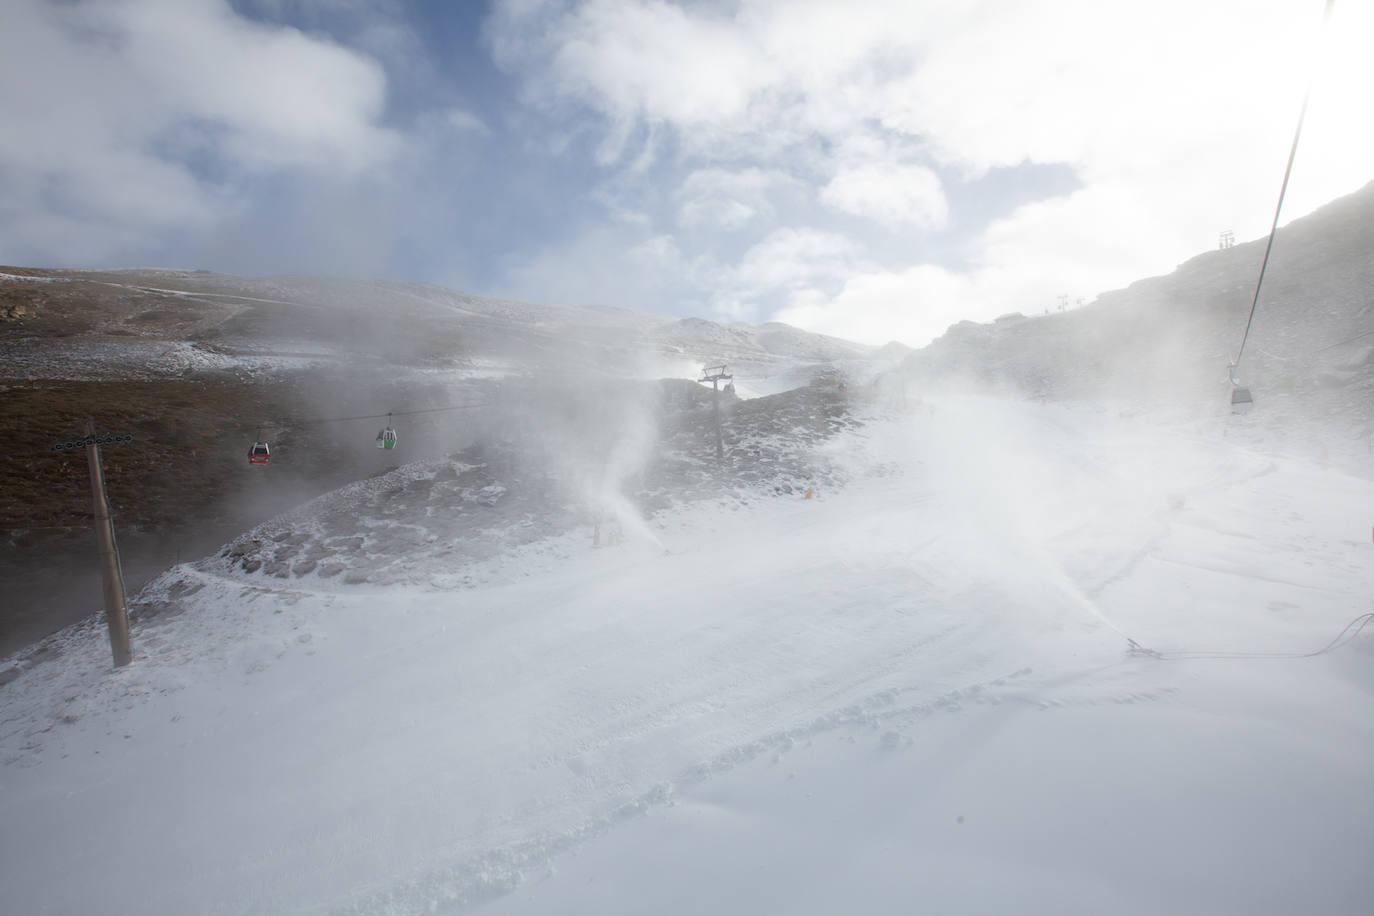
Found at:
<point>182,487</point>
<point>195,366</point>
<point>578,468</point>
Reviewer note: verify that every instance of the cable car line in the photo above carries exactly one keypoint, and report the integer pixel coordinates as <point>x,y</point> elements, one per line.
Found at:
<point>260,452</point>
<point>312,421</point>
<point>1309,353</point>
<point>1341,343</point>
<point>1240,394</point>
<point>1347,635</point>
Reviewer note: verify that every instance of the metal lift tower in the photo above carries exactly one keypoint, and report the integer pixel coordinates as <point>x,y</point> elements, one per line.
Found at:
<point>715,375</point>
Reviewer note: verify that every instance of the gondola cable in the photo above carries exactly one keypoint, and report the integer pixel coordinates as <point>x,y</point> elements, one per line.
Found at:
<point>386,439</point>
<point>312,421</point>
<point>1346,635</point>
<point>1240,394</point>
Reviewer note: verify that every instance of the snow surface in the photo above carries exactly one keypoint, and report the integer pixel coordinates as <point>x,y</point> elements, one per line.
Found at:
<point>21,278</point>
<point>910,694</point>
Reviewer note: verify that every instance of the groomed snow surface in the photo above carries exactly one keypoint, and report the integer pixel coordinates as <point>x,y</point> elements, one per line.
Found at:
<point>911,695</point>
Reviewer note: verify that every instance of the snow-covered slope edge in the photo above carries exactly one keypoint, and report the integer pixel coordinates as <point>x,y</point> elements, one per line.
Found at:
<point>281,747</point>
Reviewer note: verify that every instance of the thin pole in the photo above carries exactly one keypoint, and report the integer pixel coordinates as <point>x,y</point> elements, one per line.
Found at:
<point>116,614</point>
<point>715,375</point>
<point>715,414</point>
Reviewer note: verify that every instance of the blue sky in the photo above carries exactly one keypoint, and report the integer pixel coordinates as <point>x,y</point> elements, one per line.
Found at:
<point>874,169</point>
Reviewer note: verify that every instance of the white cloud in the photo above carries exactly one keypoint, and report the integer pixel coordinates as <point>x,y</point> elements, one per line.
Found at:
<point>607,266</point>
<point>657,252</point>
<point>890,193</point>
<point>280,98</point>
<point>791,257</point>
<point>654,60</point>
<point>788,264</point>
<point>463,121</point>
<point>724,212</point>
<point>1077,246</point>
<point>1174,116</point>
<point>730,199</point>
<point>915,306</point>
<point>140,116</point>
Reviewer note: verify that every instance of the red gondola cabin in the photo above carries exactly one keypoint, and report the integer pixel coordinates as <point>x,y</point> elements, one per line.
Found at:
<point>259,453</point>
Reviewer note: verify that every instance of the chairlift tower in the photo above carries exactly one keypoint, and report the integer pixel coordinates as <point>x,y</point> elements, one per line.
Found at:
<point>1227,239</point>
<point>715,375</point>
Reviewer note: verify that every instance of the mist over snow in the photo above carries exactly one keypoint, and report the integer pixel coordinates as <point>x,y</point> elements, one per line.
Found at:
<point>1028,619</point>
<point>970,589</point>
<point>431,692</point>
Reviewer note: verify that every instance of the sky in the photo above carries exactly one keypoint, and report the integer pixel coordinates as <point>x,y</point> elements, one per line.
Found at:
<point>872,169</point>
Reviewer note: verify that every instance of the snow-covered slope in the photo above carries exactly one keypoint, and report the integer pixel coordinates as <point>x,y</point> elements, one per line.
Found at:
<point>902,649</point>
<point>912,691</point>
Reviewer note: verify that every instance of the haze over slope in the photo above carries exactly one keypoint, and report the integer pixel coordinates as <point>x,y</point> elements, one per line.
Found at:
<point>197,366</point>
<point>430,692</point>
<point>214,321</point>
<point>558,656</point>
<point>1164,343</point>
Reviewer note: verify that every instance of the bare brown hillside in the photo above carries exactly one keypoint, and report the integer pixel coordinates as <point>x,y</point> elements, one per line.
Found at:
<point>196,365</point>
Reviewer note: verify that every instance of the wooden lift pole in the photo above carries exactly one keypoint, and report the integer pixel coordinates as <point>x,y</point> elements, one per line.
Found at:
<point>116,614</point>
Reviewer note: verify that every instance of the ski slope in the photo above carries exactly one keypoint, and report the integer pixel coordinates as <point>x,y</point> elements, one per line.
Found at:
<point>910,694</point>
